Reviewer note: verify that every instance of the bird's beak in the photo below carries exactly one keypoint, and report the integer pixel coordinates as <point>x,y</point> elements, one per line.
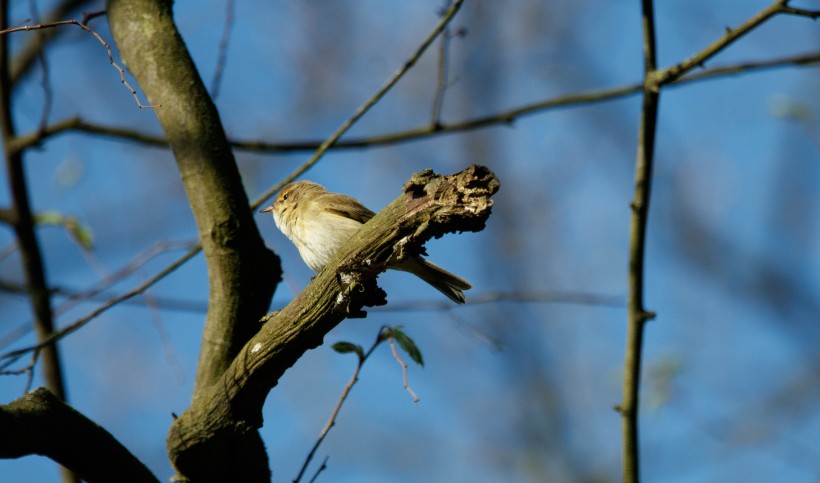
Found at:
<point>265,210</point>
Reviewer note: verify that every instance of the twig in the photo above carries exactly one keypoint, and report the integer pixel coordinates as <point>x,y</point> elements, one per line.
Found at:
<point>30,371</point>
<point>812,14</point>
<point>321,468</point>
<point>441,78</point>
<point>403,369</point>
<point>665,76</point>
<point>27,369</point>
<point>503,117</point>
<point>222,54</point>
<point>636,314</point>
<point>330,141</point>
<point>102,309</point>
<point>26,28</point>
<point>162,332</point>
<point>138,262</point>
<point>89,16</point>
<point>26,55</point>
<point>45,81</point>
<point>24,226</point>
<point>332,420</point>
<point>96,292</point>
<point>654,78</point>
<point>576,298</point>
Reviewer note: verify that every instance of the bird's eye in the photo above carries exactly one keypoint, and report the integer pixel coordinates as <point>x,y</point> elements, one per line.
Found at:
<point>284,197</point>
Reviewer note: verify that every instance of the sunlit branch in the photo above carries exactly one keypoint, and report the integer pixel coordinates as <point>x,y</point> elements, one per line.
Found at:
<point>394,79</point>
<point>424,132</point>
<point>637,315</point>
<point>670,74</point>
<point>654,79</point>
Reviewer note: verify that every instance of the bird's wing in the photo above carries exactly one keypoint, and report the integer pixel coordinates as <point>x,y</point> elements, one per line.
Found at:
<point>354,210</point>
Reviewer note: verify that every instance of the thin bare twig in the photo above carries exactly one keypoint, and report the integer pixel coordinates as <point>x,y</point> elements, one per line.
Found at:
<point>30,371</point>
<point>664,76</point>
<point>130,268</point>
<point>97,291</point>
<point>162,332</point>
<point>362,357</point>
<point>45,81</point>
<point>222,54</point>
<point>330,141</point>
<point>26,56</point>
<point>424,132</point>
<point>576,298</point>
<point>24,224</point>
<point>26,28</point>
<point>403,365</point>
<point>59,334</point>
<point>441,78</point>
<point>89,16</point>
<point>321,468</point>
<point>812,14</point>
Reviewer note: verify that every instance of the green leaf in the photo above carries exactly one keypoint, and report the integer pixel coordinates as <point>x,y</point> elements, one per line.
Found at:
<point>49,217</point>
<point>81,233</point>
<point>346,347</point>
<point>407,344</point>
<point>77,230</point>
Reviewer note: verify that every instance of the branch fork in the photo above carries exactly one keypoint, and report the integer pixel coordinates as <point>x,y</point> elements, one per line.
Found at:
<point>227,414</point>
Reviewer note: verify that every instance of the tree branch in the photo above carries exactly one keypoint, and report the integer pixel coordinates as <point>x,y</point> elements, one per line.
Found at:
<point>26,58</point>
<point>40,423</point>
<point>362,110</point>
<point>665,76</point>
<point>230,410</point>
<point>10,357</point>
<point>428,131</point>
<point>24,227</point>
<point>242,271</point>
<point>636,313</point>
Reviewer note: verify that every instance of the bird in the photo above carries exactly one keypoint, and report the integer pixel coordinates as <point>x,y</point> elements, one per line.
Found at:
<point>319,222</point>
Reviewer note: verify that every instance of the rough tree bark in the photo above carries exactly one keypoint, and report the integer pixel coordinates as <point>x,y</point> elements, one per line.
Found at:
<point>216,439</point>
<point>242,272</point>
<point>40,423</point>
<point>241,359</point>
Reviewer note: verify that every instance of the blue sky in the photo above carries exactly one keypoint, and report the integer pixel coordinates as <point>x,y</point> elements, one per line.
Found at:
<point>510,391</point>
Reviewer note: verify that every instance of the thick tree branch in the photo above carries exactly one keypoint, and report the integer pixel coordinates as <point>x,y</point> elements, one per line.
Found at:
<point>40,423</point>
<point>242,272</point>
<point>230,410</point>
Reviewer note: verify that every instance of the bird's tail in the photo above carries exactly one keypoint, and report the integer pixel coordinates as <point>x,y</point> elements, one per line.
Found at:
<point>445,282</point>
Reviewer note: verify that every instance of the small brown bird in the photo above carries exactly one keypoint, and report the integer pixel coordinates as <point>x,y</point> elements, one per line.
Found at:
<point>319,222</point>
